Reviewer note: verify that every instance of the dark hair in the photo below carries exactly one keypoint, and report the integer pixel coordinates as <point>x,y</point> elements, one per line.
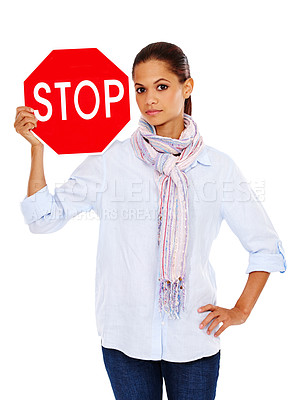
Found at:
<point>174,57</point>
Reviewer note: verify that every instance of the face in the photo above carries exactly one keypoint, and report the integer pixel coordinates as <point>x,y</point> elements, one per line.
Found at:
<point>159,94</point>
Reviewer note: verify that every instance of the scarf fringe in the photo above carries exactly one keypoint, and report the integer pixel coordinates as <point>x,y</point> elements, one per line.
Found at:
<point>171,297</point>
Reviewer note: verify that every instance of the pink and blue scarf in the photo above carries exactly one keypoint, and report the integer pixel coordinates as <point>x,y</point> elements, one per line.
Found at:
<point>170,158</point>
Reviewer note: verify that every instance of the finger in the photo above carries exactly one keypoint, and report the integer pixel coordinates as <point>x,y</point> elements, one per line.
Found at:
<point>21,124</point>
<point>24,108</point>
<point>213,325</point>
<point>221,329</point>
<point>208,319</point>
<point>25,130</point>
<point>207,307</point>
<point>22,114</point>
<point>29,125</point>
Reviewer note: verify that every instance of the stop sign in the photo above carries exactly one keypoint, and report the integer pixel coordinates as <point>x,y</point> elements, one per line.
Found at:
<point>80,98</point>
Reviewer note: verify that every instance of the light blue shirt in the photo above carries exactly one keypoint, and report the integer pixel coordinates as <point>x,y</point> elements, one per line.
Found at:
<point>120,188</point>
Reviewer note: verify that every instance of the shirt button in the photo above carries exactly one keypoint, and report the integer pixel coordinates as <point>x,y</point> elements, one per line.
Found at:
<point>162,322</point>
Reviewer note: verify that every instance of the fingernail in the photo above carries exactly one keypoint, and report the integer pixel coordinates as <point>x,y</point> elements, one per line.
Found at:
<point>201,326</point>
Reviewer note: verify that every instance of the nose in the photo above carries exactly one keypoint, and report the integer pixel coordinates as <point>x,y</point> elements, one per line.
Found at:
<point>151,98</point>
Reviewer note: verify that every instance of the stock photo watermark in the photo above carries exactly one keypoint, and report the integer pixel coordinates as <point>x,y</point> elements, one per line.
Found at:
<point>139,199</point>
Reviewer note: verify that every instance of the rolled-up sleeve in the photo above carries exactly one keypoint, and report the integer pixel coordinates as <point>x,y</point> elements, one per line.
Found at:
<point>47,213</point>
<point>248,220</point>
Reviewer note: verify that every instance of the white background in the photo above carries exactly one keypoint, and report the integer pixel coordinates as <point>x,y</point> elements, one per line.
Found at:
<point>242,60</point>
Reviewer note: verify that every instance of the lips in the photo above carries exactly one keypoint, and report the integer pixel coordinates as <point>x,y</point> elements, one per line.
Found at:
<point>153,112</point>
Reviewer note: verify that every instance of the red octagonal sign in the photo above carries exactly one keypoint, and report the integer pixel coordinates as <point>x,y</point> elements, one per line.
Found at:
<point>80,98</point>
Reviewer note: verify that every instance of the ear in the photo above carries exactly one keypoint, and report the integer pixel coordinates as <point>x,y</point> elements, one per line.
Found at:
<point>188,87</point>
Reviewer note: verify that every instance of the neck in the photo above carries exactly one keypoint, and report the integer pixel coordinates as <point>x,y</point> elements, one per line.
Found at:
<point>171,129</point>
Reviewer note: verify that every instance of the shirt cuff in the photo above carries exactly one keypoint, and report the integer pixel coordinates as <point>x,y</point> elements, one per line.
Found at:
<point>268,262</point>
<point>36,206</point>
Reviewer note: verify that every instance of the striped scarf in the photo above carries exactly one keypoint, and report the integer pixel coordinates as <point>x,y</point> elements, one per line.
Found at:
<point>170,157</point>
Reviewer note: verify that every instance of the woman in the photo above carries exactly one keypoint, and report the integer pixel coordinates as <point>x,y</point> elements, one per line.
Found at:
<point>161,198</point>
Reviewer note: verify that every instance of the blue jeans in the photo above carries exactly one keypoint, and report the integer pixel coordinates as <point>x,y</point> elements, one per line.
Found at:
<point>135,379</point>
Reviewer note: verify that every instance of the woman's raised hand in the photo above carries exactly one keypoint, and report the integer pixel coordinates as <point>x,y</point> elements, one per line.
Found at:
<point>25,120</point>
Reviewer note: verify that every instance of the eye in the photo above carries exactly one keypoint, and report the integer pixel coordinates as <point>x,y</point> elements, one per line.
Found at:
<point>140,90</point>
<point>163,87</point>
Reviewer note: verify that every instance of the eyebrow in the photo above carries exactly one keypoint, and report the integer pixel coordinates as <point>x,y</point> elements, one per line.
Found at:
<point>161,79</point>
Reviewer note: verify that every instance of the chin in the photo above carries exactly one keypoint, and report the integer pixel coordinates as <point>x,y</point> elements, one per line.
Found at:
<point>157,120</point>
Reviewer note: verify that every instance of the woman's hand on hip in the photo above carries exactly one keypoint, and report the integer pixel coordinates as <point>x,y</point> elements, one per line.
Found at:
<point>232,316</point>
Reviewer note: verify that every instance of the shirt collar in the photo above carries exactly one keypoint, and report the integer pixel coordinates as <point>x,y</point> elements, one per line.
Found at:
<point>203,157</point>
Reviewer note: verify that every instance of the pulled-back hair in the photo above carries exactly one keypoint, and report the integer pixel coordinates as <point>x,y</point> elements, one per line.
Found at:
<point>174,57</point>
